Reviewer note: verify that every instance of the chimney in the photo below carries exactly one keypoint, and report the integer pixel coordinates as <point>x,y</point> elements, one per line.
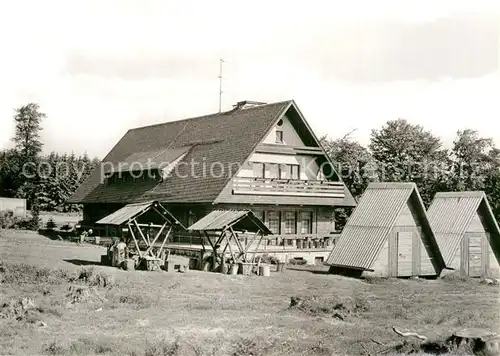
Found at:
<point>247,104</point>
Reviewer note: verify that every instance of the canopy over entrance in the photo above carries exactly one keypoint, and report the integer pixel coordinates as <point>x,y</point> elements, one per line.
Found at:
<point>140,219</point>
<point>227,224</point>
<point>238,220</point>
<point>131,212</point>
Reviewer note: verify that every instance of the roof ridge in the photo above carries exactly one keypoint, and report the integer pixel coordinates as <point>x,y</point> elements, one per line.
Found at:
<point>391,185</point>
<point>465,193</point>
<point>207,115</point>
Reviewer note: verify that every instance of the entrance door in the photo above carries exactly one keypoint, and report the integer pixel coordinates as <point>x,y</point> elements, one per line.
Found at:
<point>475,252</point>
<point>404,254</point>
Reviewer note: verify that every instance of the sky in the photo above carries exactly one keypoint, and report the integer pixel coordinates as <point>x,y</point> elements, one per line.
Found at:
<point>100,67</point>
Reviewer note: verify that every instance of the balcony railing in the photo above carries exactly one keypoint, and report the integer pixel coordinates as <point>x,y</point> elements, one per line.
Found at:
<point>288,187</point>
<point>269,243</point>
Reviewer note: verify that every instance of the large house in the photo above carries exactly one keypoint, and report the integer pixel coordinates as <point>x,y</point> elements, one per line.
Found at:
<point>257,156</point>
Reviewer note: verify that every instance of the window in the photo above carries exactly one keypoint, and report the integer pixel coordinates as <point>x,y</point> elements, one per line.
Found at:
<point>279,136</point>
<point>290,223</point>
<point>284,171</point>
<point>289,171</point>
<point>258,170</point>
<point>305,222</point>
<point>273,221</point>
<point>259,214</point>
<point>271,170</point>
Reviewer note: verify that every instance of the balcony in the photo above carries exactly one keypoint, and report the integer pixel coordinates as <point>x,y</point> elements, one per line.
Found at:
<point>288,187</point>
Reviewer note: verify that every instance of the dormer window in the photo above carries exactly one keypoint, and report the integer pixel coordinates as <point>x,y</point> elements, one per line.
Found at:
<point>279,136</point>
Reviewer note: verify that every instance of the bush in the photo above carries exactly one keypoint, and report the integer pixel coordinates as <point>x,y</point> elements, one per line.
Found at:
<point>95,279</point>
<point>54,349</point>
<point>51,225</point>
<point>296,261</point>
<point>338,307</point>
<point>163,348</point>
<point>24,273</point>
<point>139,301</point>
<point>268,259</point>
<point>66,227</point>
<point>7,220</point>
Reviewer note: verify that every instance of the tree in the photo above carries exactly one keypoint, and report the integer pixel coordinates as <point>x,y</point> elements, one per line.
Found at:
<point>472,160</point>
<point>10,169</point>
<point>352,162</point>
<point>408,153</point>
<point>28,120</point>
<point>476,166</point>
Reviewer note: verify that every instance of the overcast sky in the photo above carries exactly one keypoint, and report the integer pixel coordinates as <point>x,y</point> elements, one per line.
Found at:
<point>98,68</point>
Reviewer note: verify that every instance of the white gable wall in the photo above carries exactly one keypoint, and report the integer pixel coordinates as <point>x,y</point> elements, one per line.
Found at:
<point>308,167</point>
<point>290,136</point>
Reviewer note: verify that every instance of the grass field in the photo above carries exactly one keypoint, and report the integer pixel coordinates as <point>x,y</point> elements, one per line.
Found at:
<point>116,312</point>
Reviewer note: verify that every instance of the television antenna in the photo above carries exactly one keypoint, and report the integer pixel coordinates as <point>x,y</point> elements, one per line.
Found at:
<point>220,84</point>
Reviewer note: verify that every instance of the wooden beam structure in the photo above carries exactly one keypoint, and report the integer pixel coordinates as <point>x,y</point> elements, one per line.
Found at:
<point>132,217</point>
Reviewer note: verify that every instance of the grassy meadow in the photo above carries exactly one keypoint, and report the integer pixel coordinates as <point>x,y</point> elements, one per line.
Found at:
<point>56,299</point>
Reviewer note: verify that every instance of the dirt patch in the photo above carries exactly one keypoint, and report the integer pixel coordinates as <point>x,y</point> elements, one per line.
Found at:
<point>341,308</point>
<point>80,294</point>
<point>94,278</point>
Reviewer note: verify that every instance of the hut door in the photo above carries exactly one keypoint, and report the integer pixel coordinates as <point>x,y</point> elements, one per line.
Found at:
<point>404,254</point>
<point>475,252</point>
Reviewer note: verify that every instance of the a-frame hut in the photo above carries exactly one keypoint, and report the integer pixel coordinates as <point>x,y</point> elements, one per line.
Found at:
<point>466,232</point>
<point>387,235</point>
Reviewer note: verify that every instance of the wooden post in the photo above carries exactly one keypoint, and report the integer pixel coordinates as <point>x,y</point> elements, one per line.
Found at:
<point>230,248</point>
<point>140,232</point>
<point>250,244</point>
<point>135,240</point>
<point>156,238</point>
<point>164,240</point>
<point>238,242</point>
<point>258,245</point>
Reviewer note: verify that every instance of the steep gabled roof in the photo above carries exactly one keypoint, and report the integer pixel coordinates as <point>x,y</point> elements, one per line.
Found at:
<point>371,221</point>
<point>220,142</point>
<point>451,213</point>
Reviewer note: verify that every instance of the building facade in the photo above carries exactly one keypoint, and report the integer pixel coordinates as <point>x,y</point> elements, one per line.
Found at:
<point>260,157</point>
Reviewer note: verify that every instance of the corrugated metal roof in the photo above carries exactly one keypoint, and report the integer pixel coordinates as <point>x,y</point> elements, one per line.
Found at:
<point>369,225</point>
<point>124,214</point>
<point>450,214</point>
<point>222,219</point>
